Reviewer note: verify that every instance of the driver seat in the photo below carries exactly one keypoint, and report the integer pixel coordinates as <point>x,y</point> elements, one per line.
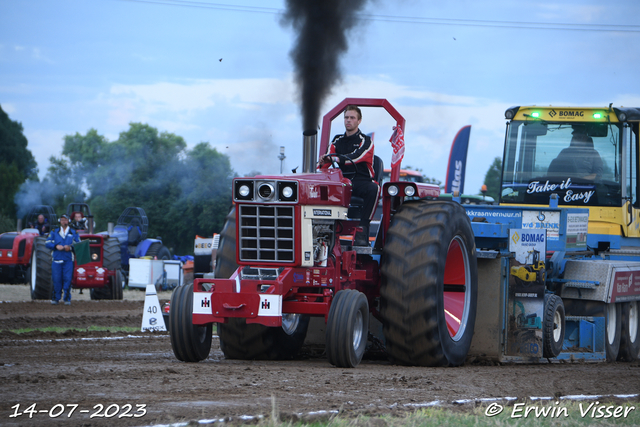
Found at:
<point>134,235</point>
<point>355,207</point>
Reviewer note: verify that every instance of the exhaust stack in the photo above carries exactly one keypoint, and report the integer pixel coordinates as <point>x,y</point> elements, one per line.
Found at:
<point>309,150</point>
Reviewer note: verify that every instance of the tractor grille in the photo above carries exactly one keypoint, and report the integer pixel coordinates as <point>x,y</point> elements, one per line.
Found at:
<point>266,233</point>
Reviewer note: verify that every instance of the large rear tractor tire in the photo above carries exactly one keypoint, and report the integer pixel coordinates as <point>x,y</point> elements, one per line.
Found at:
<point>630,334</point>
<point>226,255</point>
<point>613,330</point>
<point>159,251</point>
<point>553,326</point>
<point>429,284</point>
<point>239,340</point>
<point>111,261</point>
<point>40,270</point>
<point>347,328</point>
<point>190,343</point>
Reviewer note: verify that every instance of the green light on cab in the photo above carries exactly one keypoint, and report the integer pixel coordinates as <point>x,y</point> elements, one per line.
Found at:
<point>535,114</point>
<point>597,116</point>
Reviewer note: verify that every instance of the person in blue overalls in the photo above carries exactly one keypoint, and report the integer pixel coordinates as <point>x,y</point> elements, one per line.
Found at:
<point>60,241</point>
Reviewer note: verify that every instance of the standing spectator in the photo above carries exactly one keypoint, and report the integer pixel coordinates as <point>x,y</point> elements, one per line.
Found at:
<point>60,241</point>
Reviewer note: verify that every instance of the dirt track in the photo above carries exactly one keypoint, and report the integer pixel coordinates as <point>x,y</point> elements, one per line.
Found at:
<point>103,368</point>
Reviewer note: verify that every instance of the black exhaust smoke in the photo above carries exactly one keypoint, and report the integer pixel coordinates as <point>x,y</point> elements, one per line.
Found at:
<point>322,27</point>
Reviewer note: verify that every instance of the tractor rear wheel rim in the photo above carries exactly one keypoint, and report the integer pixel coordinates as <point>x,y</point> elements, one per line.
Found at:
<point>633,321</point>
<point>358,326</point>
<point>611,323</point>
<point>290,323</point>
<point>557,325</point>
<point>457,302</point>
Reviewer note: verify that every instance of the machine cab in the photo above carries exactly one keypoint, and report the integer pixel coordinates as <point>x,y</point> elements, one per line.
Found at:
<point>587,156</point>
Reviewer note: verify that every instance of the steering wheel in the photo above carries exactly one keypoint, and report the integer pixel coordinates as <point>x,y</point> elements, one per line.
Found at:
<point>336,165</point>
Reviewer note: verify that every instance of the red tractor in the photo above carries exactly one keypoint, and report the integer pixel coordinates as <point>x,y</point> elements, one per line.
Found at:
<point>16,246</point>
<point>102,275</point>
<point>281,260</point>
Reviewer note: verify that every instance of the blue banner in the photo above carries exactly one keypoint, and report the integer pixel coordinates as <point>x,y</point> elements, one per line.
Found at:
<point>457,161</point>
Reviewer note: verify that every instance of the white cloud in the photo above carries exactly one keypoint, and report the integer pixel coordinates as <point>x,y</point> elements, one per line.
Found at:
<point>433,119</point>
<point>44,144</point>
<point>202,94</point>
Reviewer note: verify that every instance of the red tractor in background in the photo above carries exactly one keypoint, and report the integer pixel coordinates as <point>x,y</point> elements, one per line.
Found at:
<point>281,260</point>
<point>16,247</point>
<point>102,275</point>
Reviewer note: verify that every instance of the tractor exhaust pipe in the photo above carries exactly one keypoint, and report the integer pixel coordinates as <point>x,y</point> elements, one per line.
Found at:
<point>309,150</point>
<point>19,225</point>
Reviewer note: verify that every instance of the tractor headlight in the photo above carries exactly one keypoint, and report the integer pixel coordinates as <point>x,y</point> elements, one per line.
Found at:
<point>10,254</point>
<point>392,190</point>
<point>287,192</point>
<point>409,191</point>
<point>94,257</point>
<point>244,190</point>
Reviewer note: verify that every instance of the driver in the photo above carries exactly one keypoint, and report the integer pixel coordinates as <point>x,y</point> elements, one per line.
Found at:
<point>579,160</point>
<point>357,147</point>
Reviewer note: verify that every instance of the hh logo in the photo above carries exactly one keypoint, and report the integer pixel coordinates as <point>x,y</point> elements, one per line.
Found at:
<point>205,303</point>
<point>266,305</point>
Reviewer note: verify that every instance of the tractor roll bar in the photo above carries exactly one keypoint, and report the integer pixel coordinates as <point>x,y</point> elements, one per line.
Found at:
<point>360,102</point>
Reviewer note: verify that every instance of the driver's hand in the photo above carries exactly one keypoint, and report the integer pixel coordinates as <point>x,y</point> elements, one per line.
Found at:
<point>324,160</point>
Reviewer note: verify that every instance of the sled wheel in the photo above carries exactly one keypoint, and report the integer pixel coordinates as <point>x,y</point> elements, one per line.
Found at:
<point>553,326</point>
<point>630,335</point>
<point>40,270</point>
<point>226,255</point>
<point>190,343</point>
<point>429,284</point>
<point>613,327</point>
<point>347,328</point>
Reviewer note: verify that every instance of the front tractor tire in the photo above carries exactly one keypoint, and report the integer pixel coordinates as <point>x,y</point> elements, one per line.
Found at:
<point>40,270</point>
<point>347,328</point>
<point>226,255</point>
<point>429,284</point>
<point>190,343</point>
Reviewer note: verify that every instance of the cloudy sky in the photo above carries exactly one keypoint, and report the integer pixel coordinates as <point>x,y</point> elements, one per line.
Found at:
<point>219,71</point>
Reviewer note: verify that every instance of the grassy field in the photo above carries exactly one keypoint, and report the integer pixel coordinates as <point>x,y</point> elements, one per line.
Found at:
<point>557,414</point>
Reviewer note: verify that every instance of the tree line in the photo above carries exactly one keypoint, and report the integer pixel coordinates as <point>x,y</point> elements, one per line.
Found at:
<point>183,191</point>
